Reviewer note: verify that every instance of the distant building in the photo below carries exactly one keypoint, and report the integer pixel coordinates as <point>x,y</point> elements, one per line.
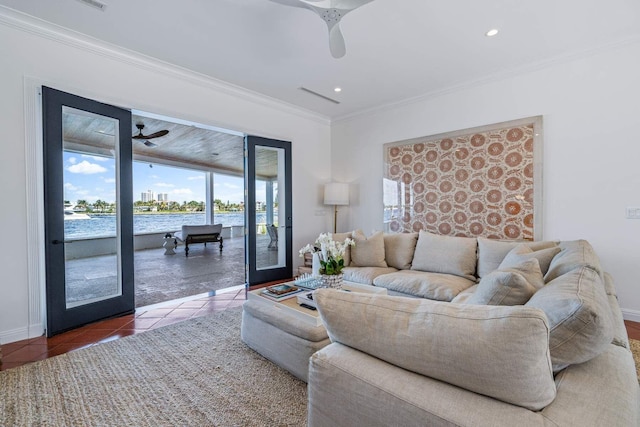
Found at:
<point>162,197</point>
<point>147,196</point>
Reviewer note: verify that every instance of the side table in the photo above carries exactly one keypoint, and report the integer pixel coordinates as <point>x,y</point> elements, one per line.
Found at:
<point>170,244</point>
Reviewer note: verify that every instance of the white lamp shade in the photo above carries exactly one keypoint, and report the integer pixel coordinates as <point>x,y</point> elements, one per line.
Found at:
<point>336,193</point>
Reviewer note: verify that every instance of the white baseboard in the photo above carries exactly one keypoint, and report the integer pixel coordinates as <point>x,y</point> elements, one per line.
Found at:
<point>14,335</point>
<point>632,315</point>
<point>19,334</point>
<point>36,330</point>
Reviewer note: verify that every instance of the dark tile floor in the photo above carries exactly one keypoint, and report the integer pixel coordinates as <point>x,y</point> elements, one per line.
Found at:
<point>145,318</point>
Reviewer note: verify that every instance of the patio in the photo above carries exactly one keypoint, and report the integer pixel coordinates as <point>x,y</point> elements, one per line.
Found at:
<point>160,278</point>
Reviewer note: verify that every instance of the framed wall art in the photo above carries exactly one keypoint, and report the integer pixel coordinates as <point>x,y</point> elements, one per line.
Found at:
<point>484,181</point>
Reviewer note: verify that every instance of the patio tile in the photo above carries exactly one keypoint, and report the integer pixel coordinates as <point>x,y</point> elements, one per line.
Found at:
<point>193,304</point>
<point>158,313</point>
<point>139,323</point>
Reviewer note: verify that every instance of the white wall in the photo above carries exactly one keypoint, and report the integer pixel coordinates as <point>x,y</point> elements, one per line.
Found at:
<point>591,149</point>
<point>33,51</point>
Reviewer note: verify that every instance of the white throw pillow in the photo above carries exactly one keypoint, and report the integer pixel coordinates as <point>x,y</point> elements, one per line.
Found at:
<point>445,254</point>
<point>501,352</point>
<point>522,252</point>
<point>511,286</point>
<point>491,252</point>
<point>399,249</point>
<point>368,251</point>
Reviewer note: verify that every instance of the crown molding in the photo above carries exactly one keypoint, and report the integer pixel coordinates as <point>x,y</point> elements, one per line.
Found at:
<point>36,26</point>
<point>501,75</point>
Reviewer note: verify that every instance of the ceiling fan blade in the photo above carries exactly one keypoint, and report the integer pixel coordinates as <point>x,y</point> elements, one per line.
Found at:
<point>294,3</point>
<point>336,42</point>
<point>349,4</point>
<point>150,144</point>
<point>157,134</point>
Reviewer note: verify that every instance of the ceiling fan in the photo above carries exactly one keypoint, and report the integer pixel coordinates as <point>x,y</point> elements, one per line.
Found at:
<point>331,11</point>
<point>146,138</point>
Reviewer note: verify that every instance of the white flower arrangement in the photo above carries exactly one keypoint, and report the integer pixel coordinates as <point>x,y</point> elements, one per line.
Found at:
<point>331,253</point>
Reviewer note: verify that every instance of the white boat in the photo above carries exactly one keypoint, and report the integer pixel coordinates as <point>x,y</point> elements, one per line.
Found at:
<point>70,213</point>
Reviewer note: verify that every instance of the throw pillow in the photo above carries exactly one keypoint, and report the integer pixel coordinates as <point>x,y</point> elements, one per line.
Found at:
<point>574,253</point>
<point>522,253</point>
<point>445,254</point>
<point>579,316</point>
<point>368,251</point>
<point>399,249</point>
<point>491,252</point>
<point>479,348</point>
<point>512,286</point>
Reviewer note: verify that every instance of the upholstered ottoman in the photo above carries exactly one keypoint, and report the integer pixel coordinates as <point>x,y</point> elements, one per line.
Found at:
<point>282,337</point>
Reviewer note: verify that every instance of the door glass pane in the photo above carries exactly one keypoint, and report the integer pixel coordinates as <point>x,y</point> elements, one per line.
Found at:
<point>91,214</point>
<point>270,192</point>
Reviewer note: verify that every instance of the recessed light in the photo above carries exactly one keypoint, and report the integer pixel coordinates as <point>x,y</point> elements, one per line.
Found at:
<point>491,32</point>
<point>337,89</point>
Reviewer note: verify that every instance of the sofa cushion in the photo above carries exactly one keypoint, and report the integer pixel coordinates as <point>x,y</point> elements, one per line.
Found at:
<point>341,237</point>
<point>436,286</point>
<point>365,275</point>
<point>368,251</point>
<point>491,252</point>
<point>501,352</point>
<point>445,254</point>
<point>523,252</point>
<point>573,254</point>
<point>464,296</point>
<point>511,286</point>
<point>399,249</point>
<point>579,316</point>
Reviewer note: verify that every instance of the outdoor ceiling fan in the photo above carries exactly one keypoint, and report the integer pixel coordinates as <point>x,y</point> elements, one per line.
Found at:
<point>331,11</point>
<point>146,138</point>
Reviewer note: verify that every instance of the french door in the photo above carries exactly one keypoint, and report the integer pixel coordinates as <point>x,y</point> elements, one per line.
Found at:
<point>268,209</point>
<point>88,210</point>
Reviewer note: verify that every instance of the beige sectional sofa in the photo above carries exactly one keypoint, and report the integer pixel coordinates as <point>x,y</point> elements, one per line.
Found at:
<point>501,333</point>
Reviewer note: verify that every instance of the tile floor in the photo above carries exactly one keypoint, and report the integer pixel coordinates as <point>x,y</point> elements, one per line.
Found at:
<point>145,318</point>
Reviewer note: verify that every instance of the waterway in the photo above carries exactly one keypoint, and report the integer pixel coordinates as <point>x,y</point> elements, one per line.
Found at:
<point>105,225</point>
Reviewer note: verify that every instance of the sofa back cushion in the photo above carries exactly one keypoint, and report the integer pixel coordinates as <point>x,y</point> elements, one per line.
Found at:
<point>445,254</point>
<point>368,251</point>
<point>509,286</point>
<point>579,316</point>
<point>501,352</point>
<point>399,249</point>
<point>573,254</point>
<point>491,252</point>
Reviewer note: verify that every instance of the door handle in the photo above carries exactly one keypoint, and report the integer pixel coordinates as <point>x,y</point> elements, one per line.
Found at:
<point>59,242</point>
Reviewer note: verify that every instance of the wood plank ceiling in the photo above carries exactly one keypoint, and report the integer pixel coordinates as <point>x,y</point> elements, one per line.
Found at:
<point>184,146</point>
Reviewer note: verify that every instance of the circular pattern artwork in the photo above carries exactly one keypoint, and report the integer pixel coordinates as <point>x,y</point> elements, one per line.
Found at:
<point>480,184</point>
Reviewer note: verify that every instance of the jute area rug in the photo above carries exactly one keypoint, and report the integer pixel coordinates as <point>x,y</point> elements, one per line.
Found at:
<point>194,373</point>
<point>635,349</point>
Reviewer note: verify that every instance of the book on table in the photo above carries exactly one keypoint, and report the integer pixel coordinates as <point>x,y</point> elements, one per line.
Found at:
<point>280,292</point>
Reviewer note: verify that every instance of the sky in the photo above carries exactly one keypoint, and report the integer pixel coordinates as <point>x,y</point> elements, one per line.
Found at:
<point>93,177</point>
